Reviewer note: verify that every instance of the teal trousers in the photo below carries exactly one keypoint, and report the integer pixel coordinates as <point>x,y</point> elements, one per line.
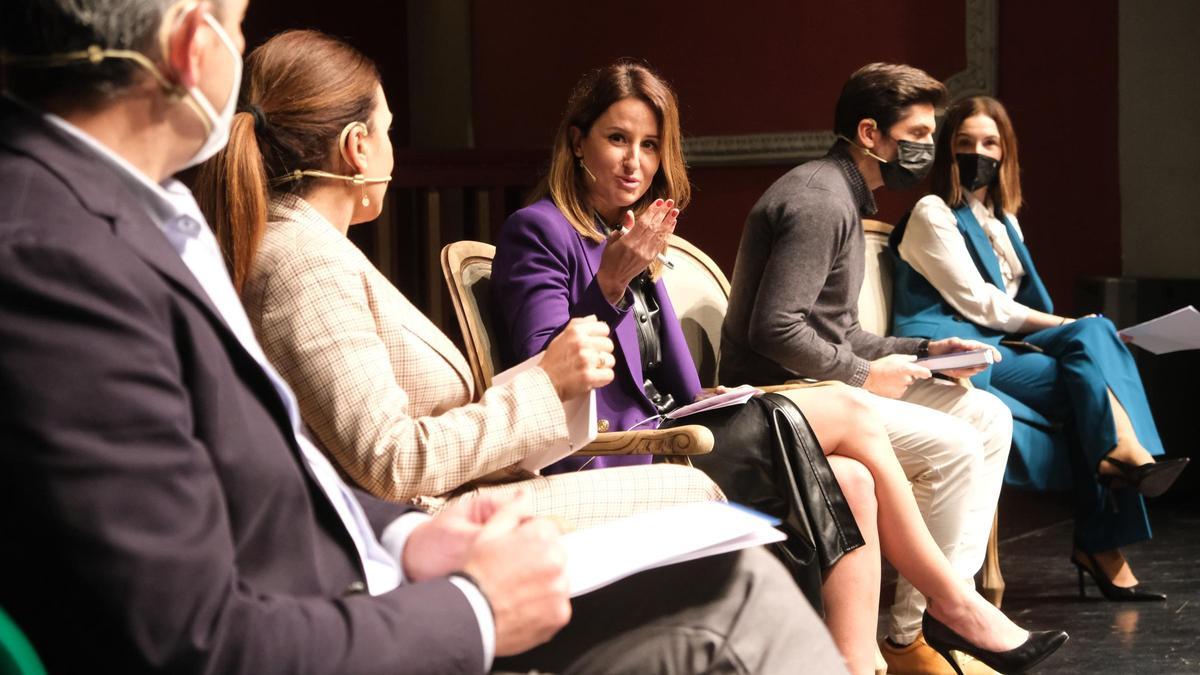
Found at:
<point>1068,383</point>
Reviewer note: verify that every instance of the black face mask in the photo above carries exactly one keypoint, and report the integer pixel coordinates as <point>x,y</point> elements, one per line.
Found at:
<point>976,170</point>
<point>913,162</point>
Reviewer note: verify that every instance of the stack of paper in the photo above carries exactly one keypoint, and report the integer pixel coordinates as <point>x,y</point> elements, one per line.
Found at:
<point>581,420</point>
<point>598,556</point>
<point>1172,332</point>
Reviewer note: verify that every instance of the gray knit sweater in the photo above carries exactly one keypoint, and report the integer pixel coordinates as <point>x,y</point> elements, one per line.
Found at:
<point>794,308</point>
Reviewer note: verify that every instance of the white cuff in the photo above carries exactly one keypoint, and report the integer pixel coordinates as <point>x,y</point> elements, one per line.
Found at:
<point>483,614</point>
<point>395,537</point>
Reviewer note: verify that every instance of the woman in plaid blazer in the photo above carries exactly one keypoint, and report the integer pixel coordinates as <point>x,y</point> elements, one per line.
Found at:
<point>382,390</point>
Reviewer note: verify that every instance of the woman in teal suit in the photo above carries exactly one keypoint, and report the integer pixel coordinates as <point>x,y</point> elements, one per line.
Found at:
<point>1080,412</point>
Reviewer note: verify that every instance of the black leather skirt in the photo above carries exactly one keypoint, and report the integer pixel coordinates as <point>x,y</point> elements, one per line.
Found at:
<point>767,457</point>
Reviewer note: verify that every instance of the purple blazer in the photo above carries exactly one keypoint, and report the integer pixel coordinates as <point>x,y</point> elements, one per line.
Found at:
<point>544,274</point>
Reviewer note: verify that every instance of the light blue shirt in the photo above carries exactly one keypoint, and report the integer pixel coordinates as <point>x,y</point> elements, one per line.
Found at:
<point>174,210</point>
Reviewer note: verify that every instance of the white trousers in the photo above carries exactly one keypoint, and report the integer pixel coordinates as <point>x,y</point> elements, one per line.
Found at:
<point>953,444</point>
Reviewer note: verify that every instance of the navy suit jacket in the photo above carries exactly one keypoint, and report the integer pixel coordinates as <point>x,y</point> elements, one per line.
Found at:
<point>155,510</point>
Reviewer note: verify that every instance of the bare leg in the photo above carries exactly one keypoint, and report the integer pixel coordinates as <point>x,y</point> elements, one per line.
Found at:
<point>851,587</point>
<point>845,425</point>
<point>1129,449</point>
<point>1112,565</point>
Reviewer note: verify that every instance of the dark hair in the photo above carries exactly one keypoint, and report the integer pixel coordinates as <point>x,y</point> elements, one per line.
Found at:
<point>301,89</point>
<point>1005,193</point>
<point>882,91</point>
<point>34,28</point>
<point>594,94</point>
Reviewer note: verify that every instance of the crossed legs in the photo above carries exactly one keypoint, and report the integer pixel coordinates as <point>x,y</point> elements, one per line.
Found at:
<point>855,438</point>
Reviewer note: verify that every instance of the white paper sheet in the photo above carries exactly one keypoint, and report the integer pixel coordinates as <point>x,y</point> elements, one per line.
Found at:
<point>735,396</point>
<point>581,420</point>
<point>1172,332</point>
<point>598,556</point>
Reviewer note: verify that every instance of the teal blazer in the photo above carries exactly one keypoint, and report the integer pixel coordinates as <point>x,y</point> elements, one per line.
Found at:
<point>918,310</point>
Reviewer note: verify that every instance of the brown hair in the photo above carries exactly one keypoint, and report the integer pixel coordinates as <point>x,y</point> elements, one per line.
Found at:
<point>593,95</point>
<point>304,87</point>
<point>882,91</point>
<point>1005,193</point>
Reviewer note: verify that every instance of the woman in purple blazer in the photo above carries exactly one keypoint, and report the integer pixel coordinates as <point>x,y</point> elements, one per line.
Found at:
<point>590,245</point>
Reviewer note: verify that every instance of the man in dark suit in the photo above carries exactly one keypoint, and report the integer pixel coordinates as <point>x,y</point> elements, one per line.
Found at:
<point>160,506</point>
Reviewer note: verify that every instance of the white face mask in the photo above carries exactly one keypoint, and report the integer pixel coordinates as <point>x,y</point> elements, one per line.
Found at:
<point>218,125</point>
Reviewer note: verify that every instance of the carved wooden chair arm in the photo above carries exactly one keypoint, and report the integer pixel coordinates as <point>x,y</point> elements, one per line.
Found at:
<point>684,440</point>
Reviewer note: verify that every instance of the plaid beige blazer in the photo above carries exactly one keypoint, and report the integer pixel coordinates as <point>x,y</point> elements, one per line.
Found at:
<point>389,396</point>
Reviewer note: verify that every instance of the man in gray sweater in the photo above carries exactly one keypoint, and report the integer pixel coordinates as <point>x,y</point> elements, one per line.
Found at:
<point>793,314</point>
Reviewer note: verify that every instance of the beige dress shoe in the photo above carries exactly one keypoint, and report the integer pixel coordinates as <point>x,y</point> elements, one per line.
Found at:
<point>921,659</point>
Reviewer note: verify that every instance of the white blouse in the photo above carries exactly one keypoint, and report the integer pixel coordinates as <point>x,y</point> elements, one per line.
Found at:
<point>934,246</point>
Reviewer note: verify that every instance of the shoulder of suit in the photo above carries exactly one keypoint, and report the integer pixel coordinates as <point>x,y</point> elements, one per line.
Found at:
<point>540,220</point>
<point>37,208</point>
<point>33,198</point>
<point>290,253</point>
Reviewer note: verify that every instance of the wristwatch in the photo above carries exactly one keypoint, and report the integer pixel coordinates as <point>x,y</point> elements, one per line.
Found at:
<point>923,349</point>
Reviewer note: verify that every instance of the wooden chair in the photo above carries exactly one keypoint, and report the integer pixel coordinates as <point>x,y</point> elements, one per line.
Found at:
<point>875,315</point>
<point>467,266</point>
<point>699,292</point>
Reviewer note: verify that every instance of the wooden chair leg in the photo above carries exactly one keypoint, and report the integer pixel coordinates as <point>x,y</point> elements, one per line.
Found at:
<point>993,581</point>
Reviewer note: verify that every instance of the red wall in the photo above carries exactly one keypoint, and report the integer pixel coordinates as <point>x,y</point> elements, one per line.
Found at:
<point>780,67</point>
<point>383,38</point>
<point>1058,79</point>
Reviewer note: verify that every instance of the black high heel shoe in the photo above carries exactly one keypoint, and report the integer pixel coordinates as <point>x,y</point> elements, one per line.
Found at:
<point>1034,650</point>
<point>1151,479</point>
<point>1108,589</point>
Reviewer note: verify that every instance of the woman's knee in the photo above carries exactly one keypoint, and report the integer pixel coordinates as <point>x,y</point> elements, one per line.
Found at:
<point>1092,327</point>
<point>856,483</point>
<point>859,409</point>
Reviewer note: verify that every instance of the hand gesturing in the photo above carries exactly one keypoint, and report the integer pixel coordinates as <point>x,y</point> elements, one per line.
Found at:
<point>628,253</point>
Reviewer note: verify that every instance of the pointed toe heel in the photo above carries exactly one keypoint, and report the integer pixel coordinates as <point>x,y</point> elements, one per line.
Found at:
<point>1036,648</point>
<point>1108,589</point>
<point>1151,480</point>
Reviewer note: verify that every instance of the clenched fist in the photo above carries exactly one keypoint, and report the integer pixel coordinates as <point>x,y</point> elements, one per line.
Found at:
<point>580,358</point>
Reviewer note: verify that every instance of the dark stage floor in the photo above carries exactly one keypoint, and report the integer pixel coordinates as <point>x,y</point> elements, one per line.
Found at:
<point>1106,637</point>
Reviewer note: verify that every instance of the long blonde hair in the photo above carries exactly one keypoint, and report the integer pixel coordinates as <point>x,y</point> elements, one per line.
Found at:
<point>565,183</point>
